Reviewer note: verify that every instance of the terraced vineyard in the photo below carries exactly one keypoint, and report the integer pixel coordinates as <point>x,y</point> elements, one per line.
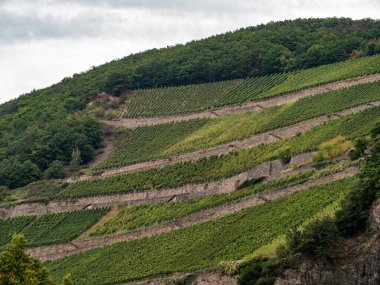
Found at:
<point>50,228</point>
<point>8,227</point>
<point>227,165</point>
<point>194,175</point>
<point>189,98</point>
<point>145,143</point>
<point>152,142</point>
<point>193,98</point>
<point>203,245</point>
<point>136,217</point>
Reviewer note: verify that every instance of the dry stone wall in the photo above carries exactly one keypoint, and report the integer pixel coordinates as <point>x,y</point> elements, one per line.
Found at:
<point>267,169</point>
<point>58,251</point>
<point>254,141</point>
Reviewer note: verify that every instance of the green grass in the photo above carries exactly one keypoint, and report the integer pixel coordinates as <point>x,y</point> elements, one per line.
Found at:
<point>50,228</point>
<point>165,140</point>
<point>215,168</point>
<point>140,216</point>
<point>193,98</point>
<point>200,246</point>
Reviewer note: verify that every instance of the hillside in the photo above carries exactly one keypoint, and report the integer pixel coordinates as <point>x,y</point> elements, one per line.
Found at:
<point>31,126</point>
<point>239,157</point>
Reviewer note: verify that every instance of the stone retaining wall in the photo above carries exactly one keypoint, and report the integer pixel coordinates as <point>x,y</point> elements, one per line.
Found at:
<point>58,251</point>
<point>254,141</point>
<point>267,169</point>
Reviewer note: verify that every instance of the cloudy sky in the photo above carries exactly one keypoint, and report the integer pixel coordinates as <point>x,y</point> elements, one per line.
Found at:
<point>42,41</point>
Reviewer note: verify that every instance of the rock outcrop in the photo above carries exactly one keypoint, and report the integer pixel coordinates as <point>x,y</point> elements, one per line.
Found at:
<point>359,265</point>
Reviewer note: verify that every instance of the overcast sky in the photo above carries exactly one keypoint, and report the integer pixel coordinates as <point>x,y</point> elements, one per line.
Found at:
<point>42,41</point>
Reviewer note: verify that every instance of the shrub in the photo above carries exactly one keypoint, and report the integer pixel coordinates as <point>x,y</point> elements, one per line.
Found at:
<point>333,148</point>
<point>229,268</point>
<point>359,149</point>
<point>286,156</point>
<point>117,84</point>
<point>14,173</point>
<point>260,271</point>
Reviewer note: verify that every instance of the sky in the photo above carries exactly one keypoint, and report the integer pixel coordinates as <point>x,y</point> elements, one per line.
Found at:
<point>43,41</point>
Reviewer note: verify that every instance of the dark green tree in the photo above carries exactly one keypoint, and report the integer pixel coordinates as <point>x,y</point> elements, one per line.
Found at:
<point>118,83</point>
<point>55,170</point>
<point>14,173</point>
<point>76,160</point>
<point>355,209</point>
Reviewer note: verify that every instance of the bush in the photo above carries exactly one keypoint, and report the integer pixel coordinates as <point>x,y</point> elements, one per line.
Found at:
<point>375,132</point>
<point>3,192</point>
<point>333,148</point>
<point>260,271</point>
<point>117,84</point>
<point>285,156</point>
<point>229,268</point>
<point>359,149</point>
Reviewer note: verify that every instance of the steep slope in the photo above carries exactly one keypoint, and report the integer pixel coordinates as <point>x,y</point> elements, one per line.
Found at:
<point>46,125</point>
<point>203,245</point>
<point>247,152</point>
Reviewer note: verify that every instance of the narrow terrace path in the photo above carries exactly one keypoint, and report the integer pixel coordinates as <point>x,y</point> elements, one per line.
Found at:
<point>249,106</point>
<point>271,170</point>
<point>58,251</point>
<point>254,141</point>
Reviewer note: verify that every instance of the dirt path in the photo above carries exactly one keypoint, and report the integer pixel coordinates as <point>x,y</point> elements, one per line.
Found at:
<point>250,106</point>
<point>254,141</point>
<point>58,251</point>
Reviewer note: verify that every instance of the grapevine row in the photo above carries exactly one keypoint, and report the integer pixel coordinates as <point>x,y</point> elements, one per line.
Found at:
<point>215,168</point>
<point>159,141</point>
<point>194,98</point>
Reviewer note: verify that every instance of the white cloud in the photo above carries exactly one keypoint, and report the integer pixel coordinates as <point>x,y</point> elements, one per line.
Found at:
<point>43,41</point>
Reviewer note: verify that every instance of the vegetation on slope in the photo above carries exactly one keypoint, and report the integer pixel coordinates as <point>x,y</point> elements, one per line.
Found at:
<point>203,245</point>
<point>174,138</point>
<point>44,125</point>
<point>192,98</point>
<point>140,216</point>
<point>215,168</point>
<point>203,170</point>
<point>322,238</point>
<point>16,267</point>
<point>50,228</point>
